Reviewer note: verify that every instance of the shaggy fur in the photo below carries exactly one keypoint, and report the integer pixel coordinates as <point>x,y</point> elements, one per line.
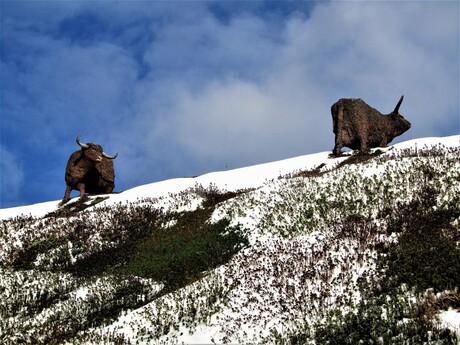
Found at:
<point>361,127</point>
<point>89,170</point>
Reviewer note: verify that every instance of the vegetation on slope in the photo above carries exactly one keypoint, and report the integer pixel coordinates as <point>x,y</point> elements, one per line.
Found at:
<point>366,252</point>
<point>75,270</point>
<point>177,255</point>
<point>426,257</point>
<point>401,215</point>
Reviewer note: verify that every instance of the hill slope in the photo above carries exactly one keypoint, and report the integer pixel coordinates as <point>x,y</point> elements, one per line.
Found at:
<point>305,250</point>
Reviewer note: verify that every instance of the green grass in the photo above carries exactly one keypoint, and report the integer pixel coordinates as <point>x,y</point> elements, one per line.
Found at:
<point>179,254</point>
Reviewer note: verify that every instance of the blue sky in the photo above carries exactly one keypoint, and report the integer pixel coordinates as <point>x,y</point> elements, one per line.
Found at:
<point>181,88</point>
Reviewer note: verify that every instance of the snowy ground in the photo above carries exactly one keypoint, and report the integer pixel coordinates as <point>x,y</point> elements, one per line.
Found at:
<point>248,177</point>
<point>289,276</point>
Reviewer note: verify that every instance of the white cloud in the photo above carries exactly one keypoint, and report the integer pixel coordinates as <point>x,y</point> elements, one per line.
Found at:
<point>343,50</point>
<point>368,50</point>
<point>377,51</point>
<point>178,91</point>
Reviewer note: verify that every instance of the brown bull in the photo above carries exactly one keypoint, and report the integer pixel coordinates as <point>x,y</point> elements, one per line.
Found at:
<point>89,170</point>
<point>360,127</point>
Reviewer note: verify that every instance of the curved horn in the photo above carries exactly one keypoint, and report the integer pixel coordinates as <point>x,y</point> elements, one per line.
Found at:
<point>83,146</point>
<point>398,105</point>
<point>110,157</point>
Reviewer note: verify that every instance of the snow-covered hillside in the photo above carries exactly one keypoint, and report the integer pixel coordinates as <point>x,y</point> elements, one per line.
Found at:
<point>249,177</point>
<point>308,246</point>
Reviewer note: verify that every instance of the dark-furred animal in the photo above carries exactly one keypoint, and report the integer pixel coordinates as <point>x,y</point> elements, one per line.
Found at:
<point>361,127</point>
<point>89,170</point>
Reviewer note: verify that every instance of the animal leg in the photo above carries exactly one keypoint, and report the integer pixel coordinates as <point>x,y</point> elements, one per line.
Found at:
<point>338,121</point>
<point>66,198</point>
<point>363,147</point>
<point>363,143</point>
<point>81,188</point>
<point>337,147</point>
<point>338,143</point>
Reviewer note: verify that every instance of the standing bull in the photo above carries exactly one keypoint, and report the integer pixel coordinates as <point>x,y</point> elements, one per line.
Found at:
<point>89,170</point>
<point>360,127</point>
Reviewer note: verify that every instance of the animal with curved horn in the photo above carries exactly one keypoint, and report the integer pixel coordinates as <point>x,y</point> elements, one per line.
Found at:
<point>89,170</point>
<point>360,127</point>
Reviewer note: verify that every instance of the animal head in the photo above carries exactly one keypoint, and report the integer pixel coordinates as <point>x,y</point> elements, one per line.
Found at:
<point>93,152</point>
<point>401,125</point>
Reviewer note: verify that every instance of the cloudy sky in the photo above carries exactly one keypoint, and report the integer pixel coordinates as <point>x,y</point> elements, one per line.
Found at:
<point>181,88</point>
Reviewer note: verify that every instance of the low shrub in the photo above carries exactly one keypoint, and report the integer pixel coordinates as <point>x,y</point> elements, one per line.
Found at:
<point>179,254</point>
<point>427,254</point>
<point>386,319</point>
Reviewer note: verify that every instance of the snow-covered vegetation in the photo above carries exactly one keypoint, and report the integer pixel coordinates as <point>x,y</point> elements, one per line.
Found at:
<point>311,250</point>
